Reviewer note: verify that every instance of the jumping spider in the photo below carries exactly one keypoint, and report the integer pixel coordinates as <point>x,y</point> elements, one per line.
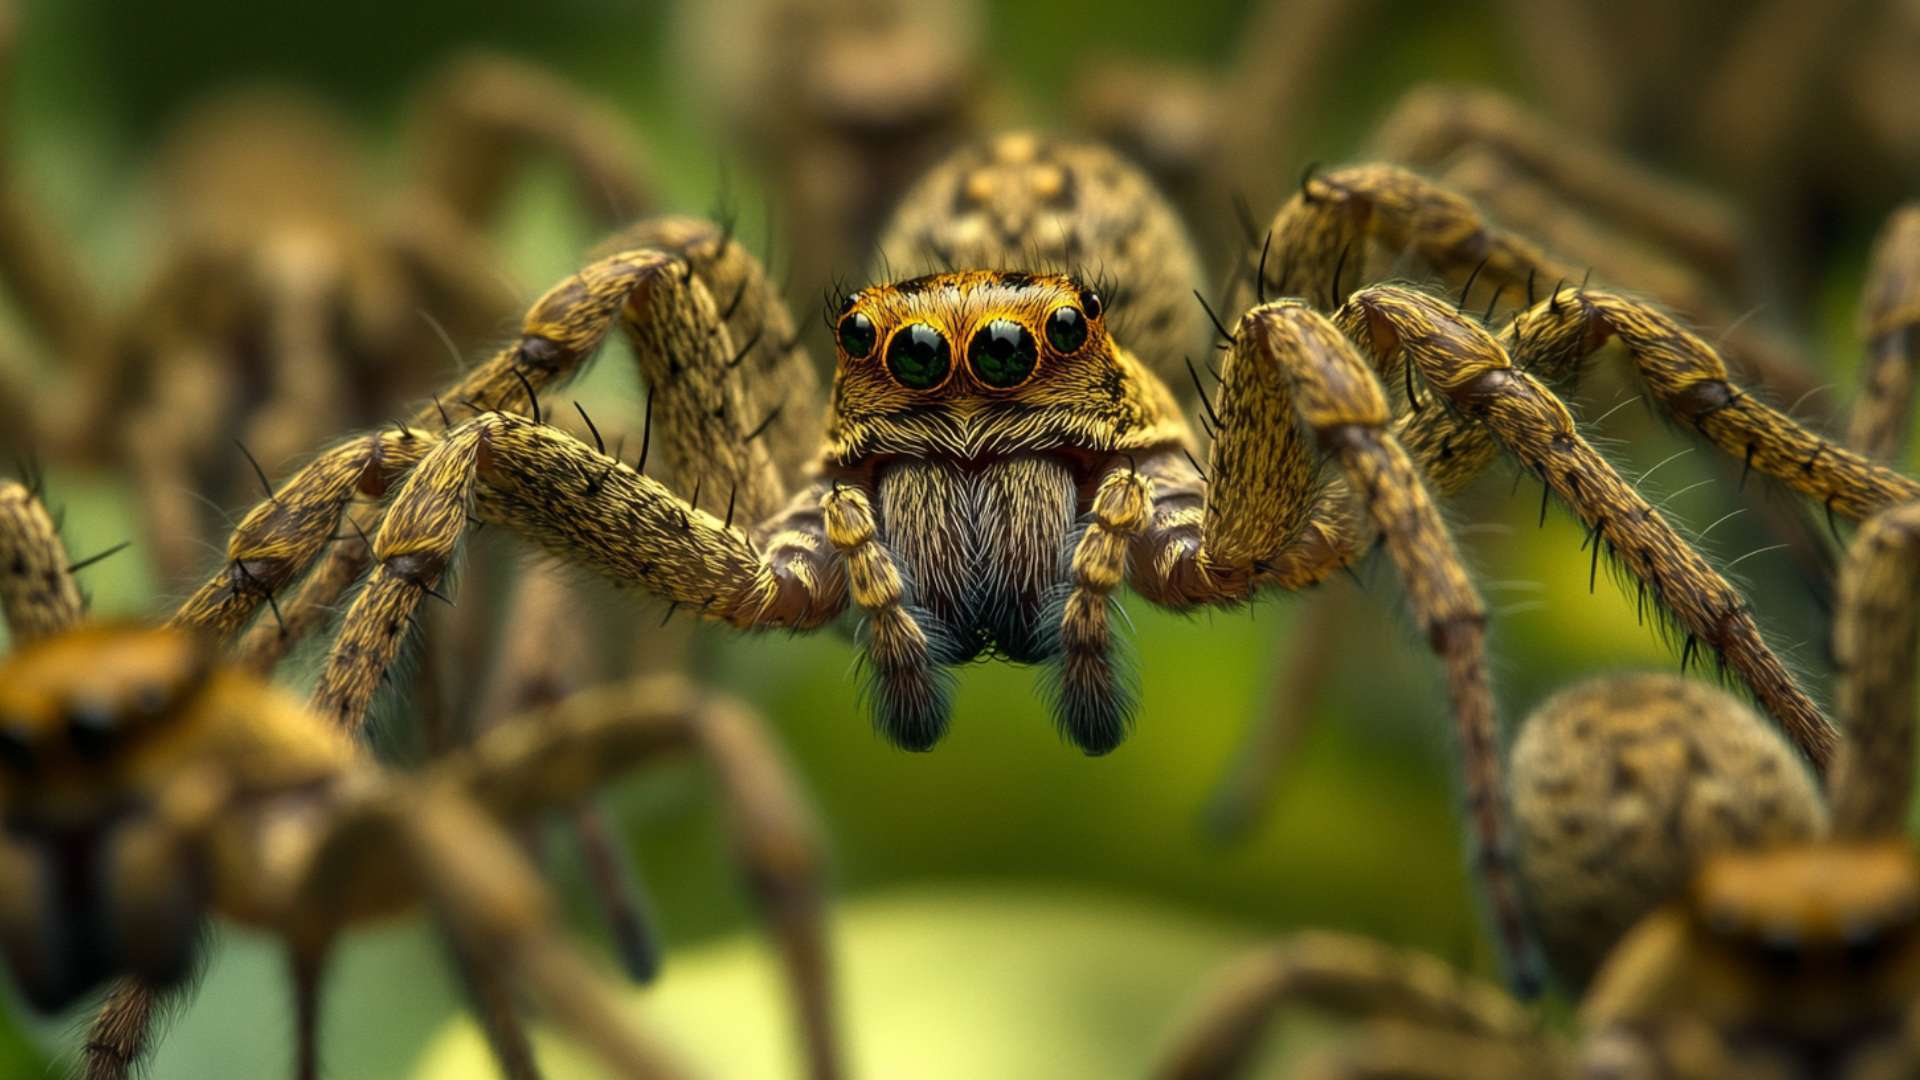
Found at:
<point>996,463</point>
<point>1742,925</point>
<point>146,784</point>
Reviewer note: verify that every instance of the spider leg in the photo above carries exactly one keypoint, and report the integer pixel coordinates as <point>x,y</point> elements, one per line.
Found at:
<point>484,112</point>
<point>38,594</point>
<point>1291,375</point>
<point>278,541</point>
<point>779,387</point>
<point>593,736</point>
<point>1874,638</point>
<point>912,694</point>
<point>1688,379</point>
<point>1271,738</point>
<point>1341,973</point>
<point>1433,124</point>
<point>1463,363</point>
<point>486,896</point>
<point>1891,318</point>
<point>1389,1048</point>
<point>1354,223</point>
<point>576,502</point>
<point>544,657</point>
<point>1093,697</point>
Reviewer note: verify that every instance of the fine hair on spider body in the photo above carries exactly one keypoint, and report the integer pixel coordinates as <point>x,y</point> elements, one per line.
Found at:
<point>993,464</point>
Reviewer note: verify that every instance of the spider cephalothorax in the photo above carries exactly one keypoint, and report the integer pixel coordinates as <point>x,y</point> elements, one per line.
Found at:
<point>979,365</point>
<point>982,410</point>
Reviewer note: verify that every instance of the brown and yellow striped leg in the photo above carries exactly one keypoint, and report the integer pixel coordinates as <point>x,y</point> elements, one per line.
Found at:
<point>38,594</point>
<point>1093,699</point>
<point>1360,223</point>
<point>278,541</point>
<point>1874,638</point>
<point>1334,972</point>
<point>911,694</point>
<point>1890,316</point>
<point>1292,369</point>
<point>594,511</point>
<point>1465,364</point>
<point>1689,381</point>
<point>777,383</point>
<point>556,756</point>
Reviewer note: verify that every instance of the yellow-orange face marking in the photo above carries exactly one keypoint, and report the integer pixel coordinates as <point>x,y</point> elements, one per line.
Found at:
<point>72,701</point>
<point>978,331</point>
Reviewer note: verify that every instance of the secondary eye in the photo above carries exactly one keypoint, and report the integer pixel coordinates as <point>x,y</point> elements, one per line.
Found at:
<point>918,357</point>
<point>1003,353</point>
<point>857,336</point>
<point>1066,329</point>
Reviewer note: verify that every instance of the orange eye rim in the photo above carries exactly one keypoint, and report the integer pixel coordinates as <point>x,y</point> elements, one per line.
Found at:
<point>973,364</point>
<point>946,348</point>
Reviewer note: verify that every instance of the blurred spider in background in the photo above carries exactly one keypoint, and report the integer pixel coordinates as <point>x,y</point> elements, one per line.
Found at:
<point>1740,924</point>
<point>289,301</point>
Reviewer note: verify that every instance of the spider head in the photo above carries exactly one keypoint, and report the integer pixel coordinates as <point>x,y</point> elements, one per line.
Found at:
<point>984,362</point>
<point>92,879</point>
<point>1811,939</point>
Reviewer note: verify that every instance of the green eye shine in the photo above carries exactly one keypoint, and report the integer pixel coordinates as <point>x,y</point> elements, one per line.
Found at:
<point>1066,329</point>
<point>857,336</point>
<point>918,357</point>
<point>1003,353</point>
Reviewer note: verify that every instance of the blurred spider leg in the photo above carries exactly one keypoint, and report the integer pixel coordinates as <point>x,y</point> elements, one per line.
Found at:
<point>1093,699</point>
<point>578,503</point>
<point>484,113</point>
<point>1874,639</point>
<point>911,693</point>
<point>1301,674</point>
<point>1383,1049</point>
<point>588,739</point>
<point>1693,385</point>
<point>543,658</point>
<point>494,1008</point>
<point>1290,372</point>
<point>1762,93</point>
<point>279,540</point>
<point>1574,68</point>
<point>1342,224</point>
<point>1881,415</point>
<point>1461,361</point>
<point>37,592</point>
<point>1283,55</point>
<point>41,272</point>
<point>1340,973</point>
<point>487,898</point>
<point>1432,125</point>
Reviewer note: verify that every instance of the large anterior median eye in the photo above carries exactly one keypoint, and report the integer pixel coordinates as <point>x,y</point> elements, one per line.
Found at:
<point>857,336</point>
<point>1002,353</point>
<point>1066,329</point>
<point>918,357</point>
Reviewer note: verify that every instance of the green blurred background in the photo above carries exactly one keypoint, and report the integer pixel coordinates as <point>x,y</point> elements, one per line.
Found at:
<point>1006,906</point>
